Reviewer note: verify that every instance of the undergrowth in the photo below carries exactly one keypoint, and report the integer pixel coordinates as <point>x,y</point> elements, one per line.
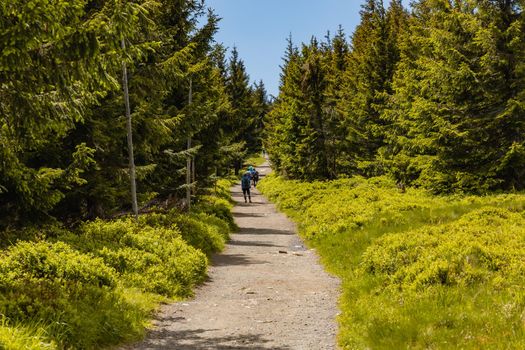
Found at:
<point>98,285</point>
<point>418,271</point>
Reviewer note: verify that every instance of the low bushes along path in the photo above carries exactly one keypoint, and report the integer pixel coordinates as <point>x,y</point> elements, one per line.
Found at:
<point>265,291</point>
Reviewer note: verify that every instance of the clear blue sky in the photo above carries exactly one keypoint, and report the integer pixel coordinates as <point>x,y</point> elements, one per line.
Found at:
<point>259,29</point>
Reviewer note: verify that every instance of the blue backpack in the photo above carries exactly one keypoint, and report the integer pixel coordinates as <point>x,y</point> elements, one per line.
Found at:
<point>246,181</point>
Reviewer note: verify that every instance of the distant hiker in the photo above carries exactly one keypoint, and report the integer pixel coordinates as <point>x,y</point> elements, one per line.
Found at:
<point>251,170</point>
<point>255,177</point>
<point>246,183</point>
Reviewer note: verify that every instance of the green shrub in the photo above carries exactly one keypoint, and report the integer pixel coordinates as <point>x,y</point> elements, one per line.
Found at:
<point>206,232</point>
<point>97,286</point>
<point>198,234</point>
<point>154,259</point>
<point>484,246</point>
<point>50,273</point>
<point>219,207</point>
<point>222,227</point>
<point>73,295</point>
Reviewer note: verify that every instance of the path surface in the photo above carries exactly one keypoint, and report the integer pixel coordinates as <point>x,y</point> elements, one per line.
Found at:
<point>265,291</point>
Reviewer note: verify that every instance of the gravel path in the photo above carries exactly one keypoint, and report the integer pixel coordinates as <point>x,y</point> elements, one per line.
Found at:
<point>265,291</point>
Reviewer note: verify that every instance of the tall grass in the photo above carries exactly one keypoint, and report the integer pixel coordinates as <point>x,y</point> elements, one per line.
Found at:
<point>31,336</point>
<point>418,271</point>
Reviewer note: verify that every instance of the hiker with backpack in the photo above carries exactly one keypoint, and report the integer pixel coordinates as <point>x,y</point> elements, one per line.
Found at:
<point>246,183</point>
<point>255,177</point>
<point>254,174</point>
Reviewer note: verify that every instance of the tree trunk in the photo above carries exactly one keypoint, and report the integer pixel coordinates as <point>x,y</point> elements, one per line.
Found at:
<point>130,137</point>
<point>188,159</point>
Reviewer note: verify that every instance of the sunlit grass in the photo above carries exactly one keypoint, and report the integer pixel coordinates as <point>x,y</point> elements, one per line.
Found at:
<point>254,160</point>
<point>31,336</point>
<point>418,271</point>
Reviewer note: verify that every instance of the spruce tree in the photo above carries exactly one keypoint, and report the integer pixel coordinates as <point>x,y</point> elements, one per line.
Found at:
<point>260,107</point>
<point>282,123</point>
<point>458,121</point>
<point>336,52</point>
<point>313,152</point>
<point>56,62</point>
<point>240,94</point>
<point>371,66</point>
<point>298,124</point>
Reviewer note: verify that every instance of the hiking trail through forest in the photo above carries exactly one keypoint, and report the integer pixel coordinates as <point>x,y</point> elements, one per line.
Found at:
<point>265,291</point>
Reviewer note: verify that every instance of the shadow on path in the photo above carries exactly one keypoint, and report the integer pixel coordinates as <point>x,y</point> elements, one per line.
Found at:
<point>252,244</point>
<point>222,316</point>
<point>198,339</point>
<point>263,231</point>
<point>249,215</point>
<point>234,259</point>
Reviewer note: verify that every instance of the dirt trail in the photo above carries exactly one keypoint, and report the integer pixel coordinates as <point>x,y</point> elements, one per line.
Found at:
<point>265,291</point>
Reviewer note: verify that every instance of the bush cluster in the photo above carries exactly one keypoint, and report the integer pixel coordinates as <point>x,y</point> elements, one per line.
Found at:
<point>73,295</point>
<point>418,270</point>
<point>97,285</point>
<point>40,278</point>
<point>484,246</point>
<point>219,203</point>
<point>152,258</point>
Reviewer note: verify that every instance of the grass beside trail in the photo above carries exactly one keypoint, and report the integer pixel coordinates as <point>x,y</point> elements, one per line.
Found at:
<point>97,286</point>
<point>418,271</point>
<point>254,160</point>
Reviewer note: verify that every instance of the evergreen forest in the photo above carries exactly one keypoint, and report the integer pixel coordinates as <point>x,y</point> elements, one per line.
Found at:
<point>109,108</point>
<point>401,156</point>
<point>63,125</point>
<point>433,97</point>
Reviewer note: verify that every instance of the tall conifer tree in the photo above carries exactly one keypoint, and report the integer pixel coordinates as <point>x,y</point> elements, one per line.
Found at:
<point>459,120</point>
<point>368,80</point>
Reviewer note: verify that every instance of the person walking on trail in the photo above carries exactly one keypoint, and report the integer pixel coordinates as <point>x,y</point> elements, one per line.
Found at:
<point>255,177</point>
<point>246,183</point>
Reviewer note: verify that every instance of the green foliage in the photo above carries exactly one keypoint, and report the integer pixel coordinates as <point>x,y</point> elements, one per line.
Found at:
<point>248,104</point>
<point>52,270</point>
<point>58,59</point>
<point>484,246</point>
<point>23,337</point>
<point>296,135</point>
<point>198,234</point>
<point>326,121</point>
<point>367,82</point>
<point>74,295</point>
<point>63,158</point>
<point>433,98</point>
<point>455,120</point>
<point>98,285</point>
<point>171,268</point>
<point>219,203</point>
<point>62,125</point>
<point>417,270</point>
<point>217,207</point>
